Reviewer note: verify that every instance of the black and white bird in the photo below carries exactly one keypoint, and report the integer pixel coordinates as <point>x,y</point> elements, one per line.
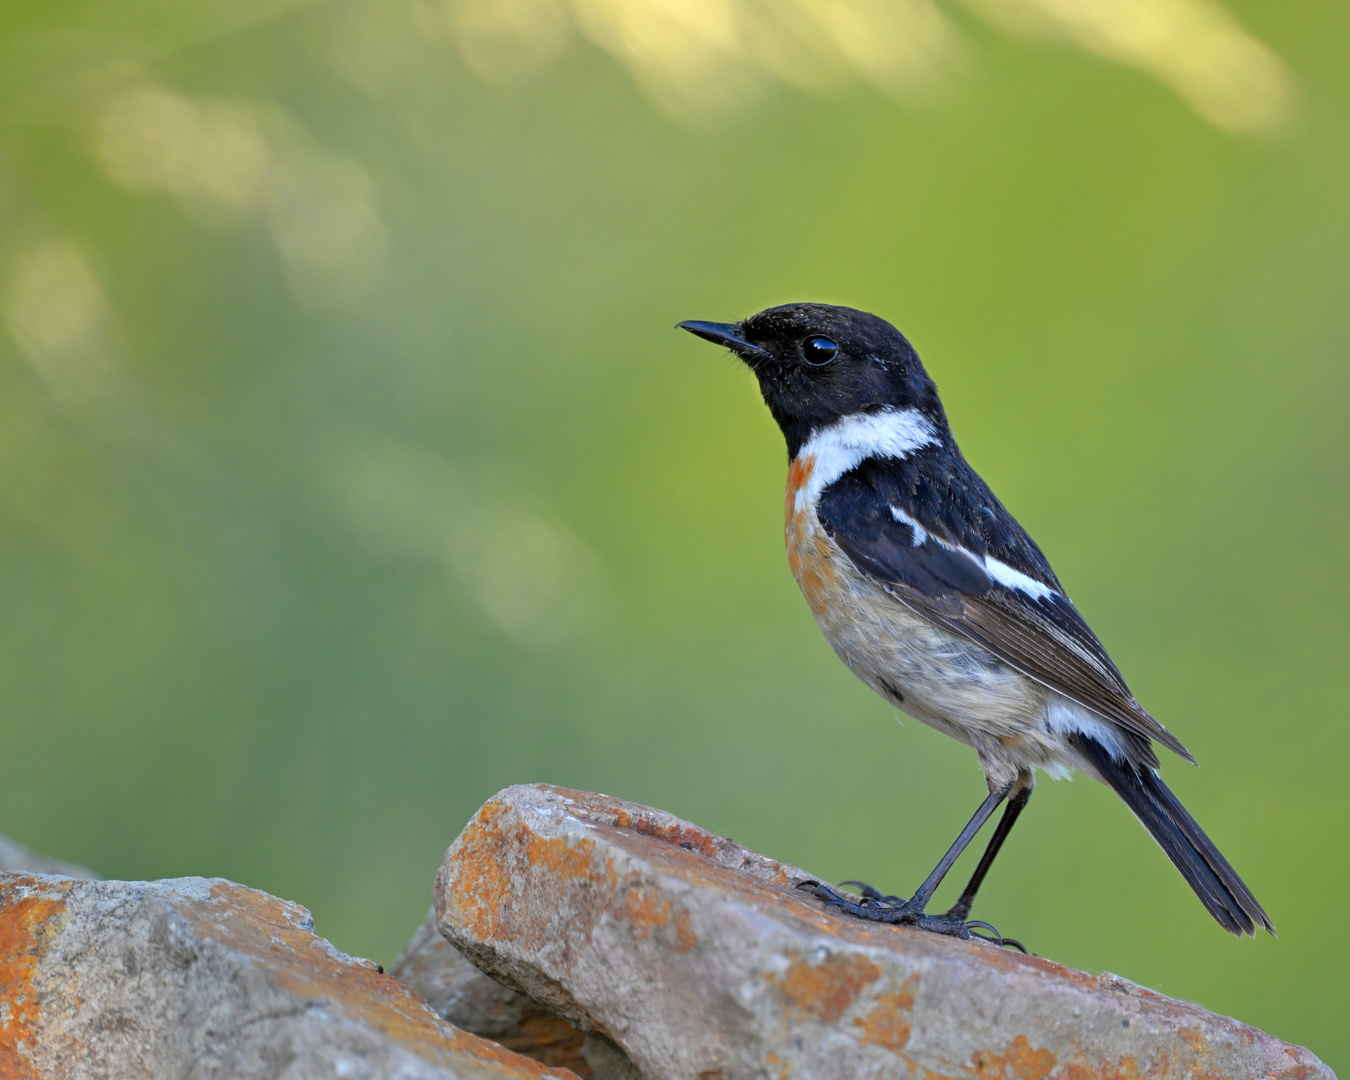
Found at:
<point>936,598</point>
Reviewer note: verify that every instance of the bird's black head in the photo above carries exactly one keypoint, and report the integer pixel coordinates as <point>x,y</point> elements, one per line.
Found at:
<point>816,363</point>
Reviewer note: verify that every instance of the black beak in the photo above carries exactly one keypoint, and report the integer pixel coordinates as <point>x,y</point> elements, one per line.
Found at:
<point>728,334</point>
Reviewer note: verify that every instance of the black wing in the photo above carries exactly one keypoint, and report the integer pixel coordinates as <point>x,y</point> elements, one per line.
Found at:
<point>933,533</point>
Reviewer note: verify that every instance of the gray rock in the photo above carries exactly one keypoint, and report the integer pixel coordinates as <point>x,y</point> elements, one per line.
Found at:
<point>458,991</point>
<point>470,999</point>
<point>701,959</point>
<point>207,979</point>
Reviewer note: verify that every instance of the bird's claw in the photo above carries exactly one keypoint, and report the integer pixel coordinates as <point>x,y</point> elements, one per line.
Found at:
<point>875,894</point>
<point>994,937</point>
<point>895,911</point>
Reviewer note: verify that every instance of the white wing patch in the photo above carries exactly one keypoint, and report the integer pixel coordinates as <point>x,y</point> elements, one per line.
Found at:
<point>1009,578</point>
<point>998,571</point>
<point>851,440</point>
<point>920,535</point>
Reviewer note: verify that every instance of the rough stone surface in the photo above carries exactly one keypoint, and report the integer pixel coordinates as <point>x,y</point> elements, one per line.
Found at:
<point>204,979</point>
<point>701,960</point>
<point>470,999</point>
<point>15,858</point>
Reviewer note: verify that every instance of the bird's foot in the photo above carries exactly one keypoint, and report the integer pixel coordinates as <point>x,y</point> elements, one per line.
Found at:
<point>896,911</point>
<point>994,937</point>
<point>869,893</point>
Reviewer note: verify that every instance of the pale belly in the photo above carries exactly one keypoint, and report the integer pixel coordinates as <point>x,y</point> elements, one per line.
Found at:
<point>933,675</point>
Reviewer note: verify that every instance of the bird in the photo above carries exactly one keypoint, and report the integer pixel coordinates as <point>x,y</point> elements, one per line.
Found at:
<point>929,590</point>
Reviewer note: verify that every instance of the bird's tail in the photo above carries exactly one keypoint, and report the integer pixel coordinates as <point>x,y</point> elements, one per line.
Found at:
<point>1191,851</point>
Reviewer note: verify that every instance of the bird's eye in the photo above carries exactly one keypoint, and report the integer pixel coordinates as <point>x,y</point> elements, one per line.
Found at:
<point>819,350</point>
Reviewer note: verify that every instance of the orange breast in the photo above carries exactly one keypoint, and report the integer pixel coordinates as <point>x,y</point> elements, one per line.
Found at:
<point>808,548</point>
<point>799,472</point>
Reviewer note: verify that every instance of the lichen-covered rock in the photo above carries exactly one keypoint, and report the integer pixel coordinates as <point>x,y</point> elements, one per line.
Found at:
<point>207,979</point>
<point>701,959</point>
<point>469,999</point>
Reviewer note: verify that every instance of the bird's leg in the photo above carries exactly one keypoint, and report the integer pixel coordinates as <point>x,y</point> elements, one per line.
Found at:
<point>919,900</point>
<point>1016,801</point>
<point>876,908</point>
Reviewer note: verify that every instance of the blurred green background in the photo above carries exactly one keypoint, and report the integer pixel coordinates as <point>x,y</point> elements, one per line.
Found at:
<point>351,469</point>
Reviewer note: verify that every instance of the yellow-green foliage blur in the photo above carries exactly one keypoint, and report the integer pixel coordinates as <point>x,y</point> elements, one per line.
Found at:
<point>351,468</point>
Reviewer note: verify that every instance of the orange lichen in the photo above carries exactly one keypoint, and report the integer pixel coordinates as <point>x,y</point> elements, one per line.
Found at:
<point>482,884</point>
<point>889,1021</point>
<point>646,910</point>
<point>482,890</point>
<point>27,926</point>
<point>564,860</point>
<point>1127,1068</point>
<point>826,990</point>
<point>251,922</point>
<point>1019,1062</point>
<point>688,837</point>
<point>685,938</point>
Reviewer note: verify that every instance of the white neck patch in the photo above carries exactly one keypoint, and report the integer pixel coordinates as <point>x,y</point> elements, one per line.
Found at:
<point>851,440</point>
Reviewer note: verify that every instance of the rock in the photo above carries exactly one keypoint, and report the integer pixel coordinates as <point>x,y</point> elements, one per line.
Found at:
<point>458,991</point>
<point>469,999</point>
<point>701,960</point>
<point>15,858</point>
<point>208,979</point>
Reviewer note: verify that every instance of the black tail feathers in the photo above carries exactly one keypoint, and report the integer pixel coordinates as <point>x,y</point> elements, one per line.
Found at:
<point>1191,851</point>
